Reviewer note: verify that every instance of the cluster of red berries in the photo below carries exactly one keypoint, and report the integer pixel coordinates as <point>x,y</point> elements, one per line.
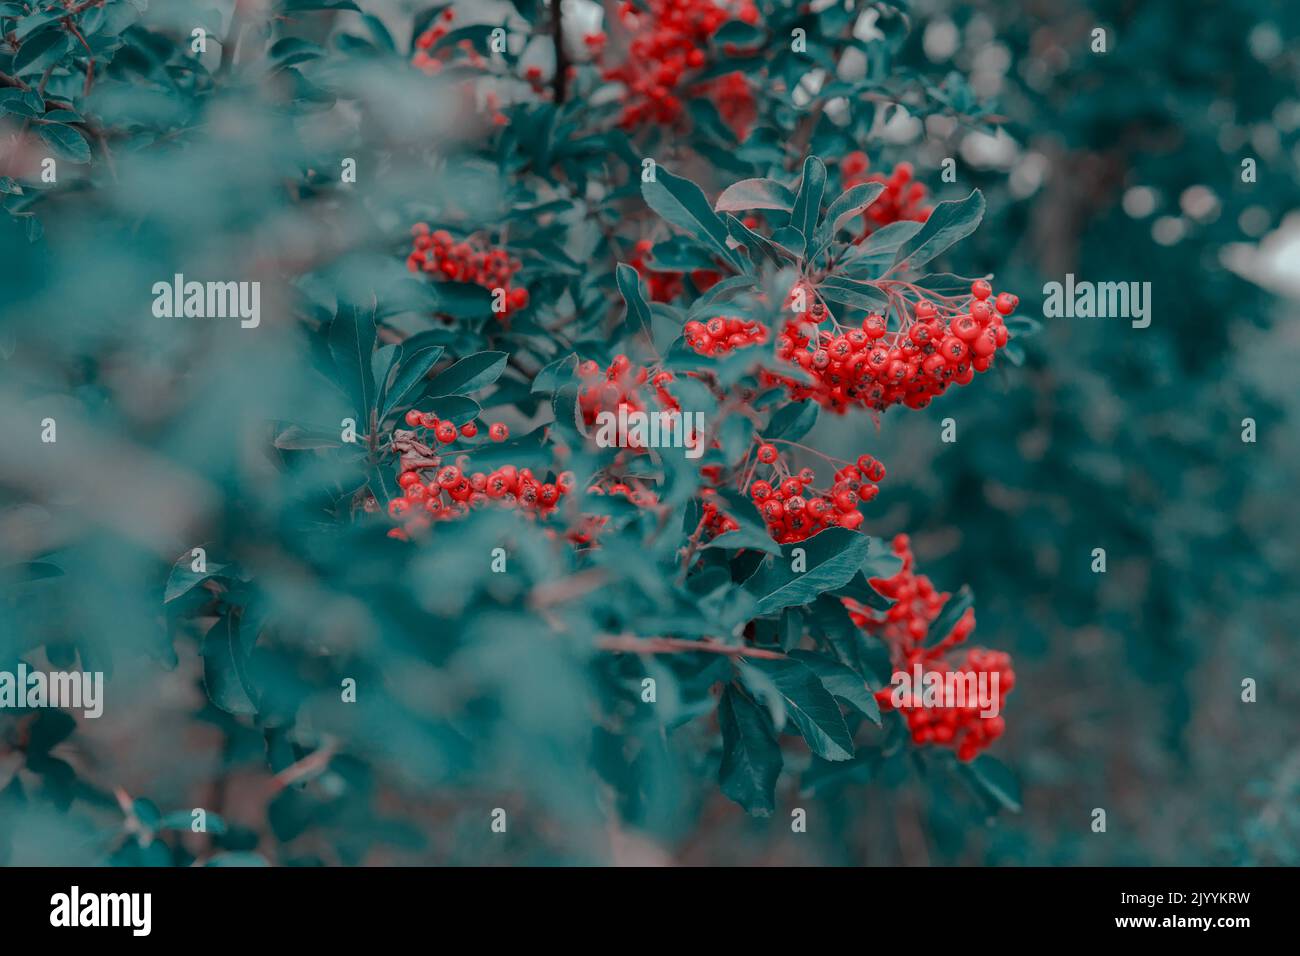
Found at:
<point>453,491</point>
<point>432,61</point>
<point>435,490</point>
<point>446,432</point>
<point>436,253</point>
<point>668,43</point>
<point>791,507</point>
<point>944,343</point>
<point>722,333</point>
<point>619,386</point>
<point>904,628</point>
<point>903,199</point>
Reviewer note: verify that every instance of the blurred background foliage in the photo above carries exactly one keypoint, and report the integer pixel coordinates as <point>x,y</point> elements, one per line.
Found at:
<point>1115,166</point>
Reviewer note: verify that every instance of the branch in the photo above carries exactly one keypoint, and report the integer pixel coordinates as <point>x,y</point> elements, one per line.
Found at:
<point>561,80</point>
<point>309,765</point>
<point>631,644</point>
<point>231,43</point>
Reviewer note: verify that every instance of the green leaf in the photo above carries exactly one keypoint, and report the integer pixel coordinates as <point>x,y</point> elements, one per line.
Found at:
<point>682,203</point>
<point>752,531</point>
<point>953,609</point>
<point>830,559</point>
<point>411,370</point>
<point>945,283</point>
<point>842,683</point>
<point>20,102</point>
<point>469,374</point>
<point>877,250</point>
<point>793,421</point>
<point>848,204</point>
<point>455,408</point>
<point>321,5</point>
<point>40,49</point>
<point>288,51</point>
<point>755,194</point>
<point>808,204</point>
<point>555,375</point>
<point>809,705</point>
<point>50,728</point>
<point>753,242</point>
<point>992,778</point>
<point>751,754</point>
<point>184,579</point>
<point>62,116</point>
<point>950,222</point>
<point>224,668</point>
<point>638,312</point>
<point>351,341</point>
<point>66,141</point>
<point>382,482</point>
<point>854,294</point>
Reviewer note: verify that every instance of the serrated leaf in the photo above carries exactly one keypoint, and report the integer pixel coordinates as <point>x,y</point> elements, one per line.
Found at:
<point>469,374</point>
<point>755,194</point>
<point>809,705</point>
<point>830,558</point>
<point>682,203</point>
<point>751,754</point>
<point>950,222</point>
<point>842,683</point>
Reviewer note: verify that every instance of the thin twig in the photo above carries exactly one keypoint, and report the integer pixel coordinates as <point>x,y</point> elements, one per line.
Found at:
<point>631,644</point>
<point>561,79</point>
